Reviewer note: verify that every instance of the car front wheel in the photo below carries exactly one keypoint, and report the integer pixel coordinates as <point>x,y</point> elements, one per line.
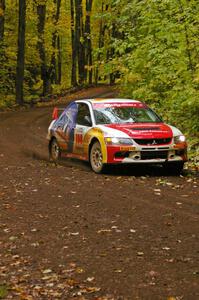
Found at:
<point>54,150</point>
<point>96,158</point>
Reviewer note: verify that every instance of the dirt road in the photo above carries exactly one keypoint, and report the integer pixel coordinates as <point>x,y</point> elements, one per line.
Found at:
<point>66,233</point>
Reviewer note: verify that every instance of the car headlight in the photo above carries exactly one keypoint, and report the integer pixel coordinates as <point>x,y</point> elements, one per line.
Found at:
<point>118,141</point>
<point>179,139</point>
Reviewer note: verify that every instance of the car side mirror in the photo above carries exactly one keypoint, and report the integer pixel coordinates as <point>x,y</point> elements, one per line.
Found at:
<point>55,113</point>
<point>87,121</point>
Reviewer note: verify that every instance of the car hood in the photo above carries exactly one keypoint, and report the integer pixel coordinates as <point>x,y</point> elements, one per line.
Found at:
<point>141,130</point>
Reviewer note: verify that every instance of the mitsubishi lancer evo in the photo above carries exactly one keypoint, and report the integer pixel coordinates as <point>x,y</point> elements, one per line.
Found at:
<point>115,131</point>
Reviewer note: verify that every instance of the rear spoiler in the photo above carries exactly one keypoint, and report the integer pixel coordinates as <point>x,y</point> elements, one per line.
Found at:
<point>56,113</point>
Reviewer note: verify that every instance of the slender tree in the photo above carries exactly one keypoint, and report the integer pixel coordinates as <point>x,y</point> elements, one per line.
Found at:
<point>187,39</point>
<point>2,19</point>
<point>73,45</point>
<point>101,42</point>
<point>56,56</point>
<point>21,52</point>
<point>45,70</point>
<point>59,60</point>
<point>88,42</point>
<point>79,41</point>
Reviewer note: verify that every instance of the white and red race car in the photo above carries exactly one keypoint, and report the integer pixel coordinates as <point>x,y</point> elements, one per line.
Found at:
<point>115,131</point>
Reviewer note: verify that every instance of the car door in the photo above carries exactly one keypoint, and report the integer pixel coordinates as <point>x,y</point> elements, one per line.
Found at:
<point>65,127</point>
<point>83,124</point>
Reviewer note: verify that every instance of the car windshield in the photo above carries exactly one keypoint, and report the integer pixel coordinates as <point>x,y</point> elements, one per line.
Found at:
<point>122,113</point>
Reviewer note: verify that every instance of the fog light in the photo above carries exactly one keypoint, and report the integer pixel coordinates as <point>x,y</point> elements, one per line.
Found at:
<point>135,155</point>
<point>171,154</point>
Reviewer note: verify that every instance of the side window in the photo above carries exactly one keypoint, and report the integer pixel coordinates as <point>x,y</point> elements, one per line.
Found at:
<point>83,115</point>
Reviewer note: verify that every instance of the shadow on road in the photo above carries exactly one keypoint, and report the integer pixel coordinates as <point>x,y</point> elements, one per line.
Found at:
<point>113,170</point>
<point>139,170</point>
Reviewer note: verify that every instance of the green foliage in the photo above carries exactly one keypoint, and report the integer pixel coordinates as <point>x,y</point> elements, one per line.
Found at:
<point>157,55</point>
<point>150,48</point>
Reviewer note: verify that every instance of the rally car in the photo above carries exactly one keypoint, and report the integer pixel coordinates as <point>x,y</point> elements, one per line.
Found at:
<point>115,131</point>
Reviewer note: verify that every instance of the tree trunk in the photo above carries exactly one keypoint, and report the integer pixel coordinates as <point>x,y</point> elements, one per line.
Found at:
<point>2,19</point>
<point>79,43</point>
<point>55,77</point>
<point>111,52</point>
<point>102,30</point>
<point>188,44</point>
<point>74,44</point>
<point>21,52</point>
<point>59,61</point>
<point>88,42</point>
<point>45,71</point>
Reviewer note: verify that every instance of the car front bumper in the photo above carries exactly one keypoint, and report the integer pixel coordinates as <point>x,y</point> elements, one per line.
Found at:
<point>147,154</point>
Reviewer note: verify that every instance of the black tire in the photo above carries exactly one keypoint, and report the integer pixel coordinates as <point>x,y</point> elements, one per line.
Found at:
<point>174,168</point>
<point>96,158</point>
<point>54,150</point>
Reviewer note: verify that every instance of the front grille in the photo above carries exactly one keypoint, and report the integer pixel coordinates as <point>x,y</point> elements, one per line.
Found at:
<point>153,141</point>
<point>121,154</point>
<point>154,154</point>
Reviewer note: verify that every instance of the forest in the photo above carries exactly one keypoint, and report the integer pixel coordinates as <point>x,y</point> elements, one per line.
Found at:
<point>148,48</point>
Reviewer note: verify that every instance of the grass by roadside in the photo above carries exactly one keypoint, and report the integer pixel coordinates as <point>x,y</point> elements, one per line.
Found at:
<point>3,291</point>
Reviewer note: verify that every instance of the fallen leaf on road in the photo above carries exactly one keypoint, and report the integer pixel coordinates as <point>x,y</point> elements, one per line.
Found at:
<point>90,279</point>
<point>47,271</point>
<point>157,190</point>
<point>118,271</point>
<point>103,230</point>
<point>79,270</point>
<point>166,248</point>
<point>73,192</point>
<point>13,238</point>
<point>72,282</point>
<point>73,233</point>
<point>92,289</point>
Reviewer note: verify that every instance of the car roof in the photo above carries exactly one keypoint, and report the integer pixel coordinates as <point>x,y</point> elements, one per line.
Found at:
<point>111,100</point>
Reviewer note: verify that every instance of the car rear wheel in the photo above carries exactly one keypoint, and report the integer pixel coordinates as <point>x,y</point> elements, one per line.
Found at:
<point>96,158</point>
<point>54,150</point>
<point>174,168</point>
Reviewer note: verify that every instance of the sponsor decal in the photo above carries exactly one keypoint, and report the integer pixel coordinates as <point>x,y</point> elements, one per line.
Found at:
<point>118,104</point>
<point>127,148</point>
<point>79,138</point>
<point>64,126</point>
<point>163,131</point>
